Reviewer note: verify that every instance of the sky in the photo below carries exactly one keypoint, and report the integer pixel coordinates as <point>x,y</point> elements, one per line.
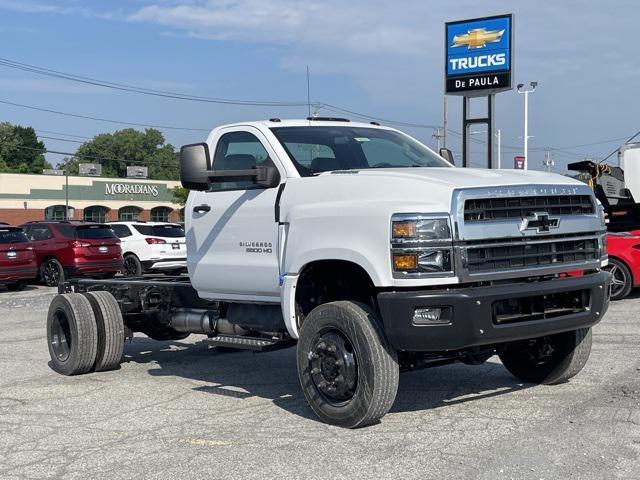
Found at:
<point>378,58</point>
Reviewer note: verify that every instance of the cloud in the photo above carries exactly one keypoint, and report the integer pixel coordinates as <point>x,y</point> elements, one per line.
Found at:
<point>59,8</point>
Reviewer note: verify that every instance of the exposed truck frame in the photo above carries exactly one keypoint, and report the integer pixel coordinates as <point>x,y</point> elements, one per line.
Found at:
<point>360,269</point>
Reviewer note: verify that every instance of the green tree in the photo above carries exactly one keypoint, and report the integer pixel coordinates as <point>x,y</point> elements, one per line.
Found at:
<point>115,151</point>
<point>180,195</point>
<point>20,150</point>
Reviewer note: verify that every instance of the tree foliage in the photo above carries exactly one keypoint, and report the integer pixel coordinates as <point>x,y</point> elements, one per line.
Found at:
<point>180,195</point>
<point>20,150</point>
<point>128,147</point>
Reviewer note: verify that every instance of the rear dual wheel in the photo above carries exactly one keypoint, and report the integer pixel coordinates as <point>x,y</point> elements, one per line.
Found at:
<point>85,332</point>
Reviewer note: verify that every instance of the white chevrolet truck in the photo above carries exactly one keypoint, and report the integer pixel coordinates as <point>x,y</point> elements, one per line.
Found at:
<point>370,253</point>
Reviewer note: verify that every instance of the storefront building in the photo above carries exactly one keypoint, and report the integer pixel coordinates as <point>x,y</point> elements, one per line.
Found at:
<point>25,197</point>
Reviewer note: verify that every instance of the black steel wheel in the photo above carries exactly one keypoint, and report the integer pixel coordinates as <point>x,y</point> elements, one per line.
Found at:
<point>621,279</point>
<point>71,334</point>
<point>334,367</point>
<point>51,272</point>
<point>131,266</point>
<point>347,369</point>
<point>549,360</point>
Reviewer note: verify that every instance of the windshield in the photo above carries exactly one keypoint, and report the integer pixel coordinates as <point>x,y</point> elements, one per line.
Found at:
<point>321,149</point>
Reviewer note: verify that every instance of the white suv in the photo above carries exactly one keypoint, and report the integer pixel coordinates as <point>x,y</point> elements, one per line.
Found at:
<point>151,246</point>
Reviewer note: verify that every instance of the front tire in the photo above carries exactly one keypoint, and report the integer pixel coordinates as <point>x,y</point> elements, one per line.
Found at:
<point>71,334</point>
<point>347,369</point>
<point>548,360</point>
<point>621,279</point>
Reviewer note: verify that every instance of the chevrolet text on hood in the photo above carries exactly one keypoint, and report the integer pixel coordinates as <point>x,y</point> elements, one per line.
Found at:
<point>368,251</point>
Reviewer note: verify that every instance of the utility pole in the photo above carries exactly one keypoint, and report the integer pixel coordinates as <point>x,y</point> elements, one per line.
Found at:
<point>437,135</point>
<point>66,194</point>
<point>526,118</point>
<point>308,93</point>
<point>444,137</point>
<point>499,137</point>
<point>548,161</point>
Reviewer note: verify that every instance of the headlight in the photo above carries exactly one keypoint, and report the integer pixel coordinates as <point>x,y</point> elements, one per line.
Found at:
<point>421,245</point>
<point>421,229</point>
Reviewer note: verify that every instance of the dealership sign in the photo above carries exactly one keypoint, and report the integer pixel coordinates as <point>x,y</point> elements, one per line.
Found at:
<point>130,189</point>
<point>478,55</point>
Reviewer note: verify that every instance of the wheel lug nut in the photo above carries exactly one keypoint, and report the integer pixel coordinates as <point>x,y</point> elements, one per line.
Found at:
<point>339,379</point>
<point>339,362</point>
<point>331,348</point>
<point>322,346</point>
<point>315,371</point>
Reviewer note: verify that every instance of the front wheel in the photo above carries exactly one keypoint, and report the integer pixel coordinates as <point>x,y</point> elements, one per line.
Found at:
<point>347,369</point>
<point>549,360</point>
<point>621,279</point>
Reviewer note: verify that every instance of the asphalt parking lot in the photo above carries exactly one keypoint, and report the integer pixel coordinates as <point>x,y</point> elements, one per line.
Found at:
<point>183,410</point>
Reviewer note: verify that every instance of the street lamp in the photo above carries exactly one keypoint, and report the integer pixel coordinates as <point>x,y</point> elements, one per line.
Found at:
<point>521,89</point>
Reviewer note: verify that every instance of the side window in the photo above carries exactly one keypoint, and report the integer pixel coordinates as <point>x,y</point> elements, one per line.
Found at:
<point>238,151</point>
<point>38,233</point>
<point>121,231</point>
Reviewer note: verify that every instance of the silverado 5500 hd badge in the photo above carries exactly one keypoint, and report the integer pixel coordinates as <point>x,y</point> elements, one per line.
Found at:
<point>257,247</point>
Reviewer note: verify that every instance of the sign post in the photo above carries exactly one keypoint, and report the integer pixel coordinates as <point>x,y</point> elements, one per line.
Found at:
<point>478,62</point>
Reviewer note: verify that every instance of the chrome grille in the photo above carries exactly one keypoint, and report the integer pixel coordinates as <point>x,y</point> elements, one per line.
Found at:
<point>482,209</point>
<point>525,253</point>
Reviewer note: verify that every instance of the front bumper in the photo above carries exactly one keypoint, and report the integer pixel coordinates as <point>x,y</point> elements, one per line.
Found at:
<point>475,313</point>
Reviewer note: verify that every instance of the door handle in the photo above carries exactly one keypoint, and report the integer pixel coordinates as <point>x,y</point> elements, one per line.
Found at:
<point>201,208</point>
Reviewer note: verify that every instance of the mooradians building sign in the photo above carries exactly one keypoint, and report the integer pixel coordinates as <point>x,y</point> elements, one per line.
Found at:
<point>130,189</point>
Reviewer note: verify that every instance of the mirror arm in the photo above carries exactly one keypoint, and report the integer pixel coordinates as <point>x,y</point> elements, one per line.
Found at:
<point>259,173</point>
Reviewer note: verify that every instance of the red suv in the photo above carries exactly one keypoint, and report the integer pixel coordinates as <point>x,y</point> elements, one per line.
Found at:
<point>17,258</point>
<point>72,248</point>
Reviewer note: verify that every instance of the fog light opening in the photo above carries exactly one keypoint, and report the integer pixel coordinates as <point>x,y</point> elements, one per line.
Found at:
<point>431,316</point>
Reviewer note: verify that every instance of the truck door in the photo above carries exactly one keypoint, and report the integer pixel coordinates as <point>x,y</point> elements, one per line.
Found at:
<point>232,235</point>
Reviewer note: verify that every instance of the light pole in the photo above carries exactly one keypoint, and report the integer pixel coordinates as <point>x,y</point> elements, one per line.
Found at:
<point>526,117</point>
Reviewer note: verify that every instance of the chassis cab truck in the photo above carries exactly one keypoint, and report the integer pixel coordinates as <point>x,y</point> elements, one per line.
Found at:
<point>370,253</point>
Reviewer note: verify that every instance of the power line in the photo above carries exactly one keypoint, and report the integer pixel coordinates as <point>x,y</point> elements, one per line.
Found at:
<point>98,119</point>
<point>60,139</point>
<point>141,90</point>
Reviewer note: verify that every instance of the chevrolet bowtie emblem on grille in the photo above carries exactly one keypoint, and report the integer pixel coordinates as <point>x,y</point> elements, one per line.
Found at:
<point>541,222</point>
<point>477,38</point>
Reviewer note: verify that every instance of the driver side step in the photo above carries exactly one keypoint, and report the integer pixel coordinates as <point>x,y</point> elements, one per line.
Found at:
<point>256,344</point>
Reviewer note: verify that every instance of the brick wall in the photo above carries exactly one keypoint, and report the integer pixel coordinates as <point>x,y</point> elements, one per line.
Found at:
<point>18,216</point>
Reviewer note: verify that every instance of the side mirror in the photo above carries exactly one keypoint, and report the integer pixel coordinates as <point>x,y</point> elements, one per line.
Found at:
<point>447,155</point>
<point>195,164</point>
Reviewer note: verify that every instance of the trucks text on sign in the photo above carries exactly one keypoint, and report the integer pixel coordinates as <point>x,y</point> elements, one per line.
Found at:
<point>478,55</point>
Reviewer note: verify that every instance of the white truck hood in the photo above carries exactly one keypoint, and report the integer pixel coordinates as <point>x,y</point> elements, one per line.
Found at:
<point>465,177</point>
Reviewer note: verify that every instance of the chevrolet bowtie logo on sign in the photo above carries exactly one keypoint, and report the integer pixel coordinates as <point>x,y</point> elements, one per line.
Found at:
<point>478,55</point>
<point>477,38</point>
<point>541,222</point>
